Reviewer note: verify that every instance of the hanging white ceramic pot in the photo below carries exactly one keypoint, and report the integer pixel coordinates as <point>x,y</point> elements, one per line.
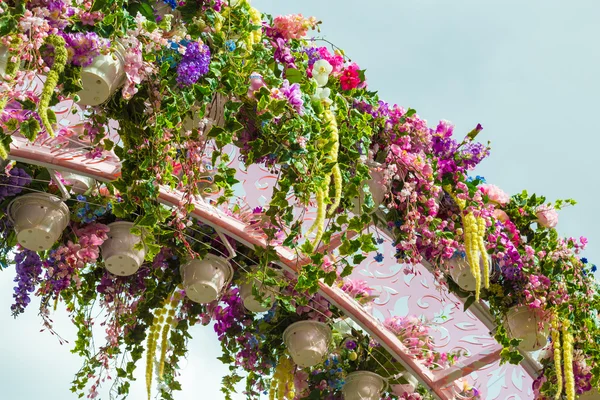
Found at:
<point>307,342</point>
<point>376,187</point>
<point>409,387</point>
<point>161,9</point>
<point>214,116</point>
<point>3,60</point>
<point>103,77</point>
<point>205,279</point>
<point>528,325</point>
<point>363,385</point>
<point>251,303</point>
<point>39,220</point>
<point>589,395</point>
<point>120,256</point>
<point>460,272</point>
<point>79,183</point>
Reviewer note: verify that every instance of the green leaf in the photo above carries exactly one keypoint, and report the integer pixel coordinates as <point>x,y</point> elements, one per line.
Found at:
<point>293,75</point>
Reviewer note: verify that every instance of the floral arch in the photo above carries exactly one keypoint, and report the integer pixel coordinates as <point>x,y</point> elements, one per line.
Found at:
<point>174,164</point>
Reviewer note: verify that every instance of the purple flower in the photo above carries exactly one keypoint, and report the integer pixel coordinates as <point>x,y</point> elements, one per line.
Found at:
<point>351,345</point>
<point>13,183</point>
<point>194,64</point>
<point>84,47</point>
<point>293,95</point>
<point>29,268</point>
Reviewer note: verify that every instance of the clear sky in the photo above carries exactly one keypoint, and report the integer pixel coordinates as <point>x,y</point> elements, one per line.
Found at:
<point>526,70</point>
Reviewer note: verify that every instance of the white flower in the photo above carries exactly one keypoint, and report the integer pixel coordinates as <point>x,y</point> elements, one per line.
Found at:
<point>322,95</point>
<point>321,71</point>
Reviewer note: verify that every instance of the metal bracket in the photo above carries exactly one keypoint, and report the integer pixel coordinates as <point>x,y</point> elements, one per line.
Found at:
<point>65,193</point>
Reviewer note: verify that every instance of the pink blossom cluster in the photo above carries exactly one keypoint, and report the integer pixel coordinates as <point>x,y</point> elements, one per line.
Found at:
<point>414,334</point>
<point>293,26</point>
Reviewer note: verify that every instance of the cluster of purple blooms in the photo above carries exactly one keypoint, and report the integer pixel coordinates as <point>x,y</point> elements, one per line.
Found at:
<point>13,182</point>
<point>84,47</point>
<point>452,156</point>
<point>29,269</point>
<point>293,94</point>
<point>194,64</point>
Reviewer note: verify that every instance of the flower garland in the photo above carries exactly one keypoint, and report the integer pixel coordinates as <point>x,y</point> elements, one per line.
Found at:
<point>256,35</point>
<point>557,361</point>
<point>474,232</point>
<point>322,192</point>
<point>282,383</point>
<point>60,60</point>
<point>568,360</point>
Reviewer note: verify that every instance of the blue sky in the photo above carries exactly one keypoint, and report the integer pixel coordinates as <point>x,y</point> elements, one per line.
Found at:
<point>526,70</point>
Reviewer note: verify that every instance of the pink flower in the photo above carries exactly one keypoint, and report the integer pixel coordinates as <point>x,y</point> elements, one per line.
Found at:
<point>350,78</point>
<point>495,194</point>
<point>500,215</point>
<point>301,383</point>
<point>256,82</point>
<point>546,216</point>
<point>535,304</point>
<point>293,26</point>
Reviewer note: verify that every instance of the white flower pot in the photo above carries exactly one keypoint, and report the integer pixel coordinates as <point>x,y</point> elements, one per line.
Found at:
<point>589,395</point>
<point>3,60</point>
<point>39,220</point>
<point>377,189</point>
<point>409,387</point>
<point>363,385</point>
<point>215,115</point>
<point>251,303</point>
<point>103,77</point>
<point>523,323</point>
<point>460,272</point>
<point>307,342</point>
<point>204,280</point>
<point>120,257</point>
<point>79,184</point>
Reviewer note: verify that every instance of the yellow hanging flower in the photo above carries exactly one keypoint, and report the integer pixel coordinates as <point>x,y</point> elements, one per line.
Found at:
<point>474,233</point>
<point>557,360</point>
<point>321,194</point>
<point>60,60</point>
<point>568,360</point>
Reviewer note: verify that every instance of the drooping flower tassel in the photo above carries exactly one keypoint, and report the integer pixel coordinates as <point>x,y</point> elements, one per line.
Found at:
<point>319,223</point>
<point>175,298</point>
<point>282,384</point>
<point>256,35</point>
<point>474,234</point>
<point>568,360</point>
<point>332,157</point>
<point>472,249</point>
<point>557,358</point>
<point>150,349</point>
<point>60,59</point>
<point>483,251</point>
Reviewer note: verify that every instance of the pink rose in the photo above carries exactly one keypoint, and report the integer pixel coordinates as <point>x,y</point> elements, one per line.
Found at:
<point>500,215</point>
<point>547,216</point>
<point>495,194</point>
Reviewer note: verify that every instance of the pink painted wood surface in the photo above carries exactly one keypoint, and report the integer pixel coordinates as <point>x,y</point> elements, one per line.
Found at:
<point>35,154</point>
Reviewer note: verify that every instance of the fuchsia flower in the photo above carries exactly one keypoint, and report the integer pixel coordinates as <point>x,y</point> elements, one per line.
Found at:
<point>350,78</point>
<point>547,216</point>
